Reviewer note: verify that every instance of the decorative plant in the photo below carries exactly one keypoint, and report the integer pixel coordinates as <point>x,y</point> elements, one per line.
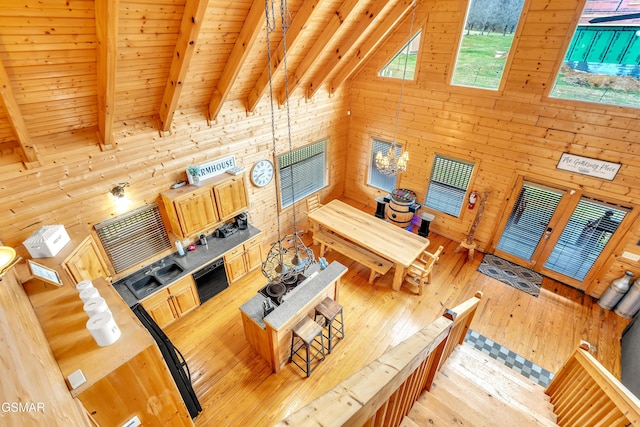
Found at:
<point>193,170</point>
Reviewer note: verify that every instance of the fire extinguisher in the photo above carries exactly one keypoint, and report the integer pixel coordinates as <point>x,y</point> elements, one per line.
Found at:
<point>473,198</point>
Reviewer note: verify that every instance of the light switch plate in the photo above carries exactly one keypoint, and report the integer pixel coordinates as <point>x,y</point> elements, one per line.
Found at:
<point>631,256</point>
<point>76,379</point>
<point>133,422</point>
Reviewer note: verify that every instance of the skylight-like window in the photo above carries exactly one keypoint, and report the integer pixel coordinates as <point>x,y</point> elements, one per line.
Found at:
<point>602,63</point>
<point>409,55</point>
<point>486,41</point>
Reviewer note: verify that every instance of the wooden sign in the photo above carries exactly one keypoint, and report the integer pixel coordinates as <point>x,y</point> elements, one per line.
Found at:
<point>588,166</point>
<point>216,167</point>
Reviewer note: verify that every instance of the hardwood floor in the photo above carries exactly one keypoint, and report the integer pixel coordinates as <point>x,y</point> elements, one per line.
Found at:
<point>236,387</point>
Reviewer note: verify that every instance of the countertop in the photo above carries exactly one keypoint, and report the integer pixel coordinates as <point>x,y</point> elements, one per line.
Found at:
<point>192,260</point>
<point>300,296</point>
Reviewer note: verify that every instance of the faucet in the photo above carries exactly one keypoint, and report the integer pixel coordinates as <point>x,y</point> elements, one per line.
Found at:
<point>154,269</point>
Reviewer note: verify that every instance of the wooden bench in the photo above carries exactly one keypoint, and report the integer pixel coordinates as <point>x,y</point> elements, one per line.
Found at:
<point>376,263</point>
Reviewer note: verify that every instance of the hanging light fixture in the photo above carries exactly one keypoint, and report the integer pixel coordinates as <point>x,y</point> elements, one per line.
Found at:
<point>288,256</point>
<point>392,163</point>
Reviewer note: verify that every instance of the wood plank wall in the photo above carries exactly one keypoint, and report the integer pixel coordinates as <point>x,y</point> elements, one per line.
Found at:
<point>509,132</point>
<point>30,374</point>
<point>73,184</point>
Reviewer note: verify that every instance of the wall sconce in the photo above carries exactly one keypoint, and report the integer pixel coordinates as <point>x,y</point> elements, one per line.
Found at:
<point>118,191</point>
<point>8,259</point>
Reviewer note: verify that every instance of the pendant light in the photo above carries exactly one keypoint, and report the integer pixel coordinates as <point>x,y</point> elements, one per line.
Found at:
<point>392,163</point>
<point>288,256</point>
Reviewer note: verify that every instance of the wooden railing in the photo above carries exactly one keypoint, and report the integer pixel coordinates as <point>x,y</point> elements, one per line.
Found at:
<point>383,392</point>
<point>583,393</point>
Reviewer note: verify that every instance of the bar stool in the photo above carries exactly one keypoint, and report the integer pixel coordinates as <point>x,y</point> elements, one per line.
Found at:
<point>307,331</point>
<point>331,311</point>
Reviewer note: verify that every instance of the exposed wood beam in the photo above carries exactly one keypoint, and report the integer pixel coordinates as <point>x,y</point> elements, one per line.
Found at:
<point>194,11</point>
<point>354,36</point>
<point>384,28</point>
<point>252,26</point>
<point>107,60</point>
<point>313,55</point>
<point>16,121</point>
<point>295,29</point>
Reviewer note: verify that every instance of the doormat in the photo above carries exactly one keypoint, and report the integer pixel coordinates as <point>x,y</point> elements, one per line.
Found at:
<point>512,274</point>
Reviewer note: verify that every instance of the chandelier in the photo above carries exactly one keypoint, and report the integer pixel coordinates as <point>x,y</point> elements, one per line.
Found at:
<point>393,163</point>
<point>288,256</point>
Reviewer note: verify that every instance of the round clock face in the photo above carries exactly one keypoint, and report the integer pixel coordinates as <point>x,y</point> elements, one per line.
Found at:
<point>262,173</point>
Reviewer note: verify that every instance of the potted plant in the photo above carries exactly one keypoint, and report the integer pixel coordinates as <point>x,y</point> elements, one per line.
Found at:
<point>194,174</point>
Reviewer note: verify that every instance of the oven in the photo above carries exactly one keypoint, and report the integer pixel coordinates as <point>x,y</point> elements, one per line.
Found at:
<point>211,280</point>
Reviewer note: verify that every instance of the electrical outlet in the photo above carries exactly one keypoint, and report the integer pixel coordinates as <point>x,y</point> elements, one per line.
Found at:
<point>76,379</point>
<point>630,256</point>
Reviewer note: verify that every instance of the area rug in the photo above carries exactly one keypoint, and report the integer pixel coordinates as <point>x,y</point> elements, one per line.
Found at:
<point>512,274</point>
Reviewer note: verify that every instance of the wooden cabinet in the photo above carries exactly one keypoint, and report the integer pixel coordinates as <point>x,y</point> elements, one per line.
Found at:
<point>192,210</point>
<point>170,303</point>
<point>231,197</point>
<point>86,262</point>
<point>243,259</point>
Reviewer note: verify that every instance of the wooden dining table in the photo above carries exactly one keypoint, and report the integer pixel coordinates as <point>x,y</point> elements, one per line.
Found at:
<point>389,241</point>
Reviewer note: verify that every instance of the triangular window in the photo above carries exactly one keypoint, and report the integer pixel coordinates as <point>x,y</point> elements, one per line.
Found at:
<point>408,55</point>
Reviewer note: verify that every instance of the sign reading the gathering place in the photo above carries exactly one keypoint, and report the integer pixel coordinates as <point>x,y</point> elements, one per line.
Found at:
<point>587,166</point>
<point>207,170</point>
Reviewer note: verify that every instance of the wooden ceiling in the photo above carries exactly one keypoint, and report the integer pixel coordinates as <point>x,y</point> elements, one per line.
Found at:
<point>70,65</point>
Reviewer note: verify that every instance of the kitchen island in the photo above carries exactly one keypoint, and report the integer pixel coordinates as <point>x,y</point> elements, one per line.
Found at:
<point>271,335</point>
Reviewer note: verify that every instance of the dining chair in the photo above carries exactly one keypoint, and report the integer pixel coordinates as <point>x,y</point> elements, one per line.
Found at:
<point>313,202</point>
<point>419,272</point>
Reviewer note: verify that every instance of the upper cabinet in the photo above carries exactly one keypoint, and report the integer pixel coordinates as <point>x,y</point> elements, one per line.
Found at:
<point>86,262</point>
<point>192,210</point>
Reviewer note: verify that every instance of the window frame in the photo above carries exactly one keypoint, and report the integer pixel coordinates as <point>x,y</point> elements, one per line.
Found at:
<point>475,163</point>
<point>325,173</point>
<point>405,47</point>
<point>372,153</point>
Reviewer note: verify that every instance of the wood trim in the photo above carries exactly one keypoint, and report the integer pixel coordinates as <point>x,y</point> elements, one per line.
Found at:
<point>185,46</point>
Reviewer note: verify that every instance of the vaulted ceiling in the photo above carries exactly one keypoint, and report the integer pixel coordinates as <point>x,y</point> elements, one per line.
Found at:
<point>76,65</point>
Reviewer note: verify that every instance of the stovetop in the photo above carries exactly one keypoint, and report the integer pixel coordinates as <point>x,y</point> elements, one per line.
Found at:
<point>275,291</point>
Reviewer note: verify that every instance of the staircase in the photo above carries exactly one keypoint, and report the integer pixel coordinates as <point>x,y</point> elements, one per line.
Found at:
<point>473,389</point>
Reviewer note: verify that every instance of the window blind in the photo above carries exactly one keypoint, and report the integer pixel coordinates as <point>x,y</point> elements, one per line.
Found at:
<point>448,185</point>
<point>302,172</point>
<point>377,179</point>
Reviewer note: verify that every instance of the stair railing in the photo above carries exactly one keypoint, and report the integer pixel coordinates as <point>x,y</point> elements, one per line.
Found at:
<point>584,393</point>
<point>383,392</point>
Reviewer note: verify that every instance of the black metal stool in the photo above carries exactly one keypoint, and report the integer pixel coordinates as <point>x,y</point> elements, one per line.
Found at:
<point>331,311</point>
<point>307,331</point>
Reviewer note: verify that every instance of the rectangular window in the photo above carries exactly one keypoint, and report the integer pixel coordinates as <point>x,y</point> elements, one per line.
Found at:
<point>133,237</point>
<point>602,63</point>
<point>486,41</point>
<point>302,172</point>
<point>377,179</point>
<point>448,185</point>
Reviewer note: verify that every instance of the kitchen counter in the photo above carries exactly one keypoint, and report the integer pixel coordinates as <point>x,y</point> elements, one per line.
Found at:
<point>191,262</point>
<point>271,335</point>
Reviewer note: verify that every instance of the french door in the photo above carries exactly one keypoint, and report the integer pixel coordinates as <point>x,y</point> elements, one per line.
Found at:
<point>558,232</point>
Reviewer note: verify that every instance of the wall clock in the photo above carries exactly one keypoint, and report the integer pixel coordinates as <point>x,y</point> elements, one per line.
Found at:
<point>262,173</point>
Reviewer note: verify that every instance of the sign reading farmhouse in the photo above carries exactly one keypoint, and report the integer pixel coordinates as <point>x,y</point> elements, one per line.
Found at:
<point>587,166</point>
<point>216,167</point>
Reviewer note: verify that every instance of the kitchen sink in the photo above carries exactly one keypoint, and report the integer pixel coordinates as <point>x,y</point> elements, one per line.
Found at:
<point>143,286</point>
<point>168,272</point>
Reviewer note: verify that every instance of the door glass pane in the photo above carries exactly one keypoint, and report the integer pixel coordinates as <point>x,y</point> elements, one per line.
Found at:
<point>528,220</point>
<point>584,237</point>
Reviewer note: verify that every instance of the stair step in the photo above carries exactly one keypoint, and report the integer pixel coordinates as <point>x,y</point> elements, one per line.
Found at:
<point>429,411</point>
<point>499,381</point>
<point>471,402</point>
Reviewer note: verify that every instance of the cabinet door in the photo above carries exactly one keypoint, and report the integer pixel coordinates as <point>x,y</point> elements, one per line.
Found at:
<point>86,262</point>
<point>231,197</point>
<point>184,295</point>
<point>253,253</point>
<point>234,264</point>
<point>160,308</point>
<point>196,212</point>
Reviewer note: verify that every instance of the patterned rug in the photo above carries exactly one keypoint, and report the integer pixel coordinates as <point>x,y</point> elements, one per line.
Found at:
<point>512,274</point>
